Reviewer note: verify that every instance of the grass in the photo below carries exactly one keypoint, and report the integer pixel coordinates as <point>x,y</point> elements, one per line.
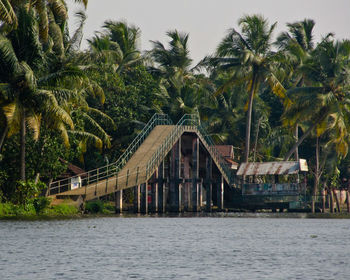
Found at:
<point>11,211</point>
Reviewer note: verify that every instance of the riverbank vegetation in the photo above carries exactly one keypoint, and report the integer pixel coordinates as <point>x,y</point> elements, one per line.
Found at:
<point>272,96</point>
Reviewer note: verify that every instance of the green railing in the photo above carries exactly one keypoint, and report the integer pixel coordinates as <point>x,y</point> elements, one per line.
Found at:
<point>188,122</point>
<point>112,169</point>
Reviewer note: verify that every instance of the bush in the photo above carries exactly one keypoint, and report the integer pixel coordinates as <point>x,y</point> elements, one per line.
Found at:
<point>26,190</point>
<point>6,209</point>
<point>95,207</point>
<point>63,209</point>
<point>9,209</point>
<point>40,204</point>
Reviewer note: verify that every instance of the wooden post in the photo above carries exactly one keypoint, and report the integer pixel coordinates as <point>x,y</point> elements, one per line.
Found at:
<point>118,201</point>
<point>137,194</point>
<point>220,193</point>
<point>195,174</point>
<point>208,183</point>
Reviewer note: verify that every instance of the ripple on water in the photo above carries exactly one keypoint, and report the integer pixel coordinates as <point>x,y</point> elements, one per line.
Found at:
<point>175,248</point>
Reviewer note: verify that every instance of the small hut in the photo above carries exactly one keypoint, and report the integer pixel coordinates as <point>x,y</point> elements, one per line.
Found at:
<point>273,184</point>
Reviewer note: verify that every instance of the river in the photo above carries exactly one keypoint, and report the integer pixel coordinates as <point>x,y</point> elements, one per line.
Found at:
<point>175,248</point>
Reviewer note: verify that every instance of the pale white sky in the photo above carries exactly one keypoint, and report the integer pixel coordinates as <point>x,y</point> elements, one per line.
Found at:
<point>207,21</point>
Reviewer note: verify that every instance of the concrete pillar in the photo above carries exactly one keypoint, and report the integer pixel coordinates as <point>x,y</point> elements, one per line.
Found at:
<point>144,198</point>
<point>187,185</point>
<point>175,169</point>
<point>161,189</point>
<point>119,201</point>
<point>220,193</point>
<point>195,174</point>
<point>208,183</point>
<point>137,196</point>
<point>154,193</point>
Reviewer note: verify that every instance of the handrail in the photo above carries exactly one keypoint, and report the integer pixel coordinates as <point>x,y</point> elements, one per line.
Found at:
<point>115,167</point>
<point>193,122</point>
<point>187,122</point>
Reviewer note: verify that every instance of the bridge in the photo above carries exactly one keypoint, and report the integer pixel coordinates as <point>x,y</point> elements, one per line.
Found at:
<point>178,164</point>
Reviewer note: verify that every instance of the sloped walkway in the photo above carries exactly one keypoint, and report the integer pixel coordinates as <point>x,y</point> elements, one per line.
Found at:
<point>143,161</point>
<point>133,173</point>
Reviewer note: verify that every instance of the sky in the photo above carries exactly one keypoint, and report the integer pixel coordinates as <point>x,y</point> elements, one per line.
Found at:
<point>207,21</point>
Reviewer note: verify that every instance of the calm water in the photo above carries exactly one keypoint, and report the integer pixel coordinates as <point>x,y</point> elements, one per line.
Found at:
<point>175,248</point>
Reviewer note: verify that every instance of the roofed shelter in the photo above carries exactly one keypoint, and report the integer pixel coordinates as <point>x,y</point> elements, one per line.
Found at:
<point>262,178</point>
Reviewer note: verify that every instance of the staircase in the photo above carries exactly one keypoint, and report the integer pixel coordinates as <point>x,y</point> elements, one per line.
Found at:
<point>139,161</point>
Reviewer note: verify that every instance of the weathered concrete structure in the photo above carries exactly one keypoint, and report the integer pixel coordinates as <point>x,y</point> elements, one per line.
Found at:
<point>171,168</point>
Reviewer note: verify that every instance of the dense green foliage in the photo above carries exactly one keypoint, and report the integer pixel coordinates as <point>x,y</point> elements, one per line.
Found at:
<point>271,100</point>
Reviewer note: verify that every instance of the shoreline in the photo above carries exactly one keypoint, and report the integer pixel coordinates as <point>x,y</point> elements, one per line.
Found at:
<point>258,215</point>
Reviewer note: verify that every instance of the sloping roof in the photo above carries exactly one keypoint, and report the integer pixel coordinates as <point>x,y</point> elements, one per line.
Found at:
<point>72,169</point>
<point>272,168</point>
<point>225,150</point>
<point>227,153</point>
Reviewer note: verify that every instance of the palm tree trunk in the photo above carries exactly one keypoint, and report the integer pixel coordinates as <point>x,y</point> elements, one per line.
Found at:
<point>323,199</point>
<point>23,146</point>
<point>3,136</point>
<point>332,200</point>
<point>296,152</point>
<point>249,119</point>
<point>348,198</point>
<point>336,200</point>
<point>317,152</point>
<point>256,139</point>
<point>301,139</point>
<point>306,134</point>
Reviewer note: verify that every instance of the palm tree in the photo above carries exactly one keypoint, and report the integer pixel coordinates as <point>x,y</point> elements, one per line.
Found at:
<point>249,58</point>
<point>40,87</point>
<point>325,104</point>
<point>117,46</point>
<point>7,14</point>
<point>296,46</point>
<point>21,56</point>
<point>183,91</point>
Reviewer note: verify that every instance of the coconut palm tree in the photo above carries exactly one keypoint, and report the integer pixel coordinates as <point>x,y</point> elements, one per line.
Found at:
<point>118,46</point>
<point>183,91</point>
<point>21,57</point>
<point>38,86</point>
<point>248,57</point>
<point>296,46</point>
<point>324,104</point>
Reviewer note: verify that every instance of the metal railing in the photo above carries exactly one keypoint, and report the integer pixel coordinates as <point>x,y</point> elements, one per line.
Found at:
<point>188,122</point>
<point>112,169</point>
<point>101,175</point>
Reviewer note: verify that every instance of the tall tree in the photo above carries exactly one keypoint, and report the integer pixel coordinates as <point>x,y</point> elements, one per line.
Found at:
<point>296,46</point>
<point>325,104</point>
<point>118,46</point>
<point>248,56</point>
<point>183,91</point>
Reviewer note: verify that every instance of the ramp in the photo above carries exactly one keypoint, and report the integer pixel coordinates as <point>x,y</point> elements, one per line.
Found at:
<point>139,161</point>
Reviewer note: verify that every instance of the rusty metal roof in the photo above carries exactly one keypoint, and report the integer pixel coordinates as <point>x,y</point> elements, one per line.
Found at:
<point>225,150</point>
<point>272,168</point>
